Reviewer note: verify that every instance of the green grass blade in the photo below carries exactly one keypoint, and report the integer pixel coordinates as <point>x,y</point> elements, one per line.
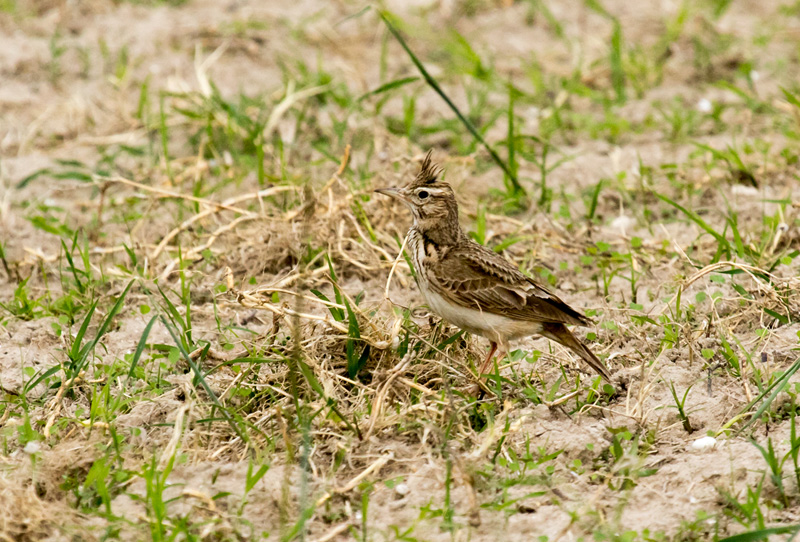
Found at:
<point>131,255</point>
<point>354,334</point>
<point>311,378</point>
<point>336,312</point>
<point>35,382</point>
<point>141,346</point>
<point>450,340</point>
<point>617,69</point>
<point>72,268</point>
<point>694,217</point>
<point>86,350</point>
<point>778,316</point>
<point>790,97</point>
<point>386,87</point>
<point>435,86</point>
<point>32,177</point>
<point>737,237</point>
<point>507,242</point>
<point>775,389</point>
<point>162,128</point>
<point>75,351</point>
<point>199,377</point>
<point>595,199</point>
<point>762,534</point>
<point>174,315</point>
<point>510,139</point>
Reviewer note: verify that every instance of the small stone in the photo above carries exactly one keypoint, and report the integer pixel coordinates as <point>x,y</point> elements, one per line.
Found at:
<point>704,444</point>
<point>704,105</point>
<point>402,489</point>
<point>744,190</point>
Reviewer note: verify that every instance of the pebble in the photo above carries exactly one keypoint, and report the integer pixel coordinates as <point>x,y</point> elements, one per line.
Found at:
<point>705,106</point>
<point>704,444</point>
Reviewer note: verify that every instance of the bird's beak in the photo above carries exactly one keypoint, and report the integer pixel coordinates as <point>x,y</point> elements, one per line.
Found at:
<point>392,193</point>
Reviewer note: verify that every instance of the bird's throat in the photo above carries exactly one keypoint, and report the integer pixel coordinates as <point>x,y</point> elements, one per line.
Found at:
<point>439,232</point>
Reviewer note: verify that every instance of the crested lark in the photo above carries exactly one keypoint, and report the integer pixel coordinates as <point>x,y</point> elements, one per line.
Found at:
<point>473,287</point>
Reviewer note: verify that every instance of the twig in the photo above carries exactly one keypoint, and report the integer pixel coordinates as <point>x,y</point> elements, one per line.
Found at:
<point>414,385</point>
<point>194,253</point>
<point>333,533</point>
<point>248,299</point>
<point>170,194</point>
<point>394,266</point>
<point>563,399</point>
<point>55,403</point>
<point>177,432</point>
<point>349,486</point>
<point>227,205</point>
<point>377,403</point>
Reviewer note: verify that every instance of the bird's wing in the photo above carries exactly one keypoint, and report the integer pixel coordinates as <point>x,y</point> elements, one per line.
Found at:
<point>475,277</point>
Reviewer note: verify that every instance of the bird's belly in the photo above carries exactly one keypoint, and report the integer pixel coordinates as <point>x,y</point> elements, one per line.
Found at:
<point>494,327</point>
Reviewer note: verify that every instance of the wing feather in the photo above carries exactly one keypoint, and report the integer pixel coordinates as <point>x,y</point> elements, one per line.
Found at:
<point>475,277</point>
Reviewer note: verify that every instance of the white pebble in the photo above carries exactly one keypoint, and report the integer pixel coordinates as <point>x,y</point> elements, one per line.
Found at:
<point>402,489</point>
<point>32,447</point>
<point>754,76</point>
<point>704,105</point>
<point>744,190</point>
<point>704,444</point>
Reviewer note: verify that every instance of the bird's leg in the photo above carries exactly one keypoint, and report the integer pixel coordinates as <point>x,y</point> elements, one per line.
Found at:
<point>488,359</point>
<point>501,353</point>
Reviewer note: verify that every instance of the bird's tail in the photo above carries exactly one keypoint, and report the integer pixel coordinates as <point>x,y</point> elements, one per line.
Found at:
<point>562,335</point>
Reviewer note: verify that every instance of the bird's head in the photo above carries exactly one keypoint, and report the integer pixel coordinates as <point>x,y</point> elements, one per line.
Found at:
<point>432,202</point>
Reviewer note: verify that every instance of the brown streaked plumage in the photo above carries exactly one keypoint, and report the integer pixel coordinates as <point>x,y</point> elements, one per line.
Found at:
<point>473,287</point>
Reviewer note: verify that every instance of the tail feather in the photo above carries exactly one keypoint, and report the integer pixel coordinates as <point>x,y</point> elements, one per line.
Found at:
<point>562,335</point>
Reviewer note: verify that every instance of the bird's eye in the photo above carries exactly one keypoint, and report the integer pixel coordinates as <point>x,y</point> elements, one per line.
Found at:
<point>422,194</point>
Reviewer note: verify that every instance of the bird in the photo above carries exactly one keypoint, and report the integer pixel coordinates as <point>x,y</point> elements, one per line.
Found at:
<point>473,287</point>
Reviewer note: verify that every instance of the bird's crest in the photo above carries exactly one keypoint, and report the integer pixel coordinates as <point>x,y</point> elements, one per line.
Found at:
<point>429,171</point>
